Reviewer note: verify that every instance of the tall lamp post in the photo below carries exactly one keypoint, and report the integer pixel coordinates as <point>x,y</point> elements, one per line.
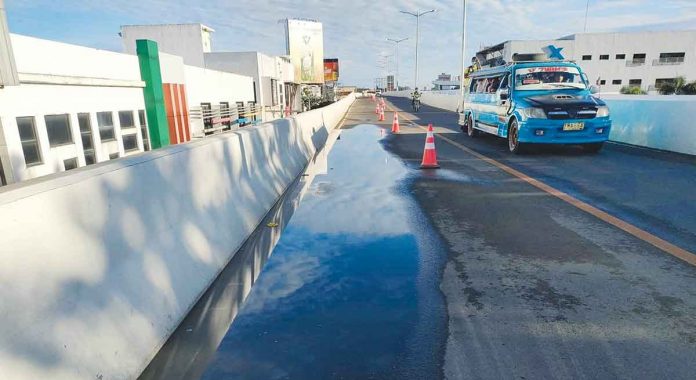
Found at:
<point>397,42</point>
<point>464,65</point>
<point>417,15</point>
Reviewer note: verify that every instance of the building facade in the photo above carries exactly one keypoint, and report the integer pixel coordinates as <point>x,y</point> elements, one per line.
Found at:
<point>613,60</point>
<point>74,106</point>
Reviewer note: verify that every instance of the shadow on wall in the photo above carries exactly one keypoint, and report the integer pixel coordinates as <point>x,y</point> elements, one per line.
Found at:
<point>97,273</point>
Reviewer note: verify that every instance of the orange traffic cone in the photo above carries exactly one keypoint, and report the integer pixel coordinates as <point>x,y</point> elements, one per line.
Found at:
<point>381,115</point>
<point>395,124</point>
<point>429,154</point>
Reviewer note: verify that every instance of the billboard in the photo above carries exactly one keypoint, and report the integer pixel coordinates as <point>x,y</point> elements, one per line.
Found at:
<point>305,46</point>
<point>331,70</point>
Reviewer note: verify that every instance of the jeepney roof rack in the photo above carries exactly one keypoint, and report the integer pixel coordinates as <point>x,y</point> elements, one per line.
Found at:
<point>535,57</point>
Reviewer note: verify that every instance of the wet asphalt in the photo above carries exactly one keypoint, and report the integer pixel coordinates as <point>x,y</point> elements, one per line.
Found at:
<point>536,288</point>
<point>380,270</point>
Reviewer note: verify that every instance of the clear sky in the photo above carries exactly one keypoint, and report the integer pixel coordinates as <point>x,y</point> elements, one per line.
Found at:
<point>355,31</point>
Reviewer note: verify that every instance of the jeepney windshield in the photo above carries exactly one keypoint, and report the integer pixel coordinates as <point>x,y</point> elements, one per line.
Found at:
<point>548,78</point>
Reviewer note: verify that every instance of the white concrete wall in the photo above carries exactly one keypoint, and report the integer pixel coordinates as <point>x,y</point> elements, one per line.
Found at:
<point>79,65</point>
<point>127,247</point>
<point>659,122</point>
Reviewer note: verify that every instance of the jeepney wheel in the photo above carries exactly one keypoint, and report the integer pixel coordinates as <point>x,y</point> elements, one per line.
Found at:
<point>514,144</point>
<point>593,148</point>
<point>470,130</point>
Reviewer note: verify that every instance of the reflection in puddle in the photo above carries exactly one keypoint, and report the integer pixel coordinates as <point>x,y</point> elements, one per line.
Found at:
<point>351,291</point>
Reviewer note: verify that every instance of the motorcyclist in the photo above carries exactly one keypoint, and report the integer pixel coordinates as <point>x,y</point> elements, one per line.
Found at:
<point>415,96</point>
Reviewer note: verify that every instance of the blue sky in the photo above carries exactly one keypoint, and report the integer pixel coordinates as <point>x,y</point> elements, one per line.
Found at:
<point>354,31</point>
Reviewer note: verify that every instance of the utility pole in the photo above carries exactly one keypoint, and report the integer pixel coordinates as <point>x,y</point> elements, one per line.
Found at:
<point>417,15</point>
<point>397,42</point>
<point>464,65</point>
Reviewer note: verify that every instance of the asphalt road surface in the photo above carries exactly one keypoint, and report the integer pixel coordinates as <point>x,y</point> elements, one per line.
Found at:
<point>557,264</point>
<point>538,288</point>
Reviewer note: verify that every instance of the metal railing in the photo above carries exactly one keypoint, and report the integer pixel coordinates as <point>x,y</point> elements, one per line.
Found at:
<point>217,119</point>
<point>668,61</point>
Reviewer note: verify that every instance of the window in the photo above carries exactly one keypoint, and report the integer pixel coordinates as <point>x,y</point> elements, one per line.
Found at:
<point>3,181</point>
<point>70,164</point>
<point>87,142</point>
<point>125,118</point>
<point>659,82</point>
<point>586,57</point>
<point>105,120</point>
<point>635,82</point>
<point>616,81</point>
<point>58,129</point>
<point>671,57</point>
<point>602,82</point>
<point>130,142</point>
<point>621,56</point>
<point>143,129</point>
<point>30,143</point>
<point>604,57</point>
<point>114,156</point>
<point>639,58</point>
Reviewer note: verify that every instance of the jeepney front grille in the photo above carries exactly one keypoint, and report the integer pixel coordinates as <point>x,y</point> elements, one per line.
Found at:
<point>572,113</point>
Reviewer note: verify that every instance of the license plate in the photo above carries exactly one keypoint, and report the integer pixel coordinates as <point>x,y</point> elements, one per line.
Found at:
<point>573,126</point>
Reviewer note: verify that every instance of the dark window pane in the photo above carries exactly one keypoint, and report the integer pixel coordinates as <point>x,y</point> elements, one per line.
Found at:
<point>90,158</point>
<point>87,142</point>
<point>70,163</point>
<point>616,81</point>
<point>604,57</point>
<point>106,126</point>
<point>621,56</point>
<point>84,122</point>
<point>58,129</point>
<point>130,142</point>
<point>586,57</point>
<point>31,153</point>
<point>26,128</point>
<point>126,119</point>
<point>141,118</point>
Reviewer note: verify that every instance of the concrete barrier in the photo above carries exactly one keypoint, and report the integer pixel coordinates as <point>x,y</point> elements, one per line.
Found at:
<point>651,121</point>
<point>100,265</point>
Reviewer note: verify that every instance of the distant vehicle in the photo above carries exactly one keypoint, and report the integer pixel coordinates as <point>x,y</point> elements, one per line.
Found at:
<point>539,102</point>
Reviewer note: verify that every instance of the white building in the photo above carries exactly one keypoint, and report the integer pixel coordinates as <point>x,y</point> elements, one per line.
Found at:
<point>274,82</point>
<point>74,106</point>
<point>274,77</point>
<point>615,60</point>
<point>189,41</point>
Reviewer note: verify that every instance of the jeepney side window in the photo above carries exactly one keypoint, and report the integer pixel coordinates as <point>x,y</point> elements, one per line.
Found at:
<point>472,86</point>
<point>505,83</point>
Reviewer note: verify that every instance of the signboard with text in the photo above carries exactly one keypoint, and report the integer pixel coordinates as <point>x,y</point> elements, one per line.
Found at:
<point>331,70</point>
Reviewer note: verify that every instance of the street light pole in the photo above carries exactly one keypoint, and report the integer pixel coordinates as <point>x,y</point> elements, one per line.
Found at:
<point>464,65</point>
<point>417,15</point>
<point>397,42</point>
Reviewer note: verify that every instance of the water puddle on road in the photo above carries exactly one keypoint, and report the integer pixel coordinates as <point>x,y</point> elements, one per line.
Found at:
<point>352,287</point>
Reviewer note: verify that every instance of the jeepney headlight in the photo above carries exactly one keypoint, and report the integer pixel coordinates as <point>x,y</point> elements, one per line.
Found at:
<point>533,113</point>
<point>602,111</point>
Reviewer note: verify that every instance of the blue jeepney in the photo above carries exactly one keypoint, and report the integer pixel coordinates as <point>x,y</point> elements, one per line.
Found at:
<point>537,102</point>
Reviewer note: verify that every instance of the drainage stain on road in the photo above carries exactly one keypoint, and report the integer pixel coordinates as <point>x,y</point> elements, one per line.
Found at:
<point>352,288</point>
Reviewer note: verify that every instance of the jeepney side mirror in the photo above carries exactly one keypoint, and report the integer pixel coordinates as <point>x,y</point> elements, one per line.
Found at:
<point>504,94</point>
<point>594,89</point>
